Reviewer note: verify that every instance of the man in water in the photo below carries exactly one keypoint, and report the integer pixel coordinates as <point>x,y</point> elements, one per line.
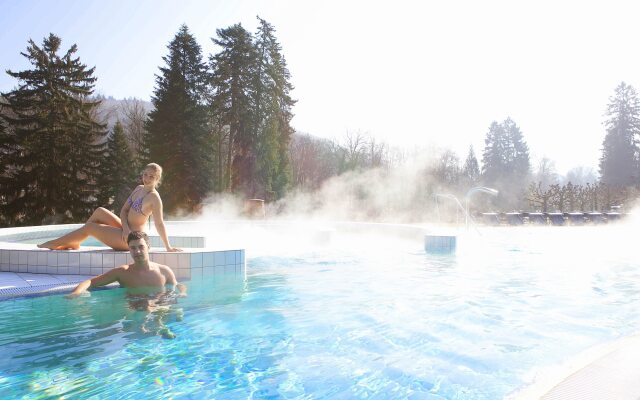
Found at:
<point>145,282</point>
<point>141,277</point>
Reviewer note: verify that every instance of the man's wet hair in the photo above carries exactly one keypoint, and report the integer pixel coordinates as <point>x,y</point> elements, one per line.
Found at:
<point>137,235</point>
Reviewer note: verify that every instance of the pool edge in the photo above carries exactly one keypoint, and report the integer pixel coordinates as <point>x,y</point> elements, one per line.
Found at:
<point>604,371</point>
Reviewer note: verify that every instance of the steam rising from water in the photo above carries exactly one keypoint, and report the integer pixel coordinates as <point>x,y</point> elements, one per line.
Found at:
<point>402,194</point>
<point>396,195</point>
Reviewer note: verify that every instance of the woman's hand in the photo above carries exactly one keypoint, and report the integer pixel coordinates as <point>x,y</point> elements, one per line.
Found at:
<point>125,233</point>
<point>173,249</point>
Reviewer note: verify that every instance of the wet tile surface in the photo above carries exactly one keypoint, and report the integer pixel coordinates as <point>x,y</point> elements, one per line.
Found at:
<point>14,284</point>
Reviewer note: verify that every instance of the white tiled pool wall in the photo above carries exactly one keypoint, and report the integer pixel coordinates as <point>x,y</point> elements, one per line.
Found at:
<point>439,244</point>
<point>42,232</point>
<point>195,242</point>
<point>186,265</point>
<point>201,264</point>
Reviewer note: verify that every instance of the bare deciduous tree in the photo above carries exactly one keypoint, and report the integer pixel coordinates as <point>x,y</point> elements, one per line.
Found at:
<point>546,173</point>
<point>134,114</point>
<point>540,197</point>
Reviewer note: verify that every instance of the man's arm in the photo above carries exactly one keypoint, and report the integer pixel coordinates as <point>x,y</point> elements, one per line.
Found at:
<point>100,280</point>
<point>171,280</point>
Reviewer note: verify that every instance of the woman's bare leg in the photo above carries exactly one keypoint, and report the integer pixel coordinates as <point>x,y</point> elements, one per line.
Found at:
<point>109,235</point>
<point>105,217</point>
<point>72,240</point>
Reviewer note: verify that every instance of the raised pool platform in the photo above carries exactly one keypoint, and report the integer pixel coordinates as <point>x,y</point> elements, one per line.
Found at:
<point>26,269</point>
<point>42,233</point>
<point>98,260</point>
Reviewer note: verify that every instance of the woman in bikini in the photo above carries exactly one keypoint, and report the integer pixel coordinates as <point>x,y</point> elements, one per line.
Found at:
<point>113,231</point>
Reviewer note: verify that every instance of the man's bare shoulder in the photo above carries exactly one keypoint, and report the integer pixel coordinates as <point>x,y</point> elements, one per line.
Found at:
<point>123,270</point>
<point>119,269</point>
<point>160,267</point>
<point>166,271</point>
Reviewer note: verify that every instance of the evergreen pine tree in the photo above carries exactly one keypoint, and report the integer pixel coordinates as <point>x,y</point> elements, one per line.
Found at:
<point>518,157</point>
<point>506,163</point>
<point>494,156</point>
<point>273,114</point>
<point>52,162</point>
<point>119,172</point>
<point>232,81</point>
<point>620,151</point>
<point>178,137</point>
<point>7,147</point>
<point>471,169</point>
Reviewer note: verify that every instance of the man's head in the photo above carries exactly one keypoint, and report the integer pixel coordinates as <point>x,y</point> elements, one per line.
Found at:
<point>138,245</point>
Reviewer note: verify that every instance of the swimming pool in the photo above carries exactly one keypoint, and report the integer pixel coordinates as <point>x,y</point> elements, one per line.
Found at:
<point>360,316</point>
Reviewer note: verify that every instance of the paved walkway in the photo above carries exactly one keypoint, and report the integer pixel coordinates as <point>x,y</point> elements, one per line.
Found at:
<point>607,372</point>
<point>614,376</point>
<point>14,284</point>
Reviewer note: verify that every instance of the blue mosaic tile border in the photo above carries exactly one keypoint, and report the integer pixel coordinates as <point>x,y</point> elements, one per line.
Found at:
<point>33,291</point>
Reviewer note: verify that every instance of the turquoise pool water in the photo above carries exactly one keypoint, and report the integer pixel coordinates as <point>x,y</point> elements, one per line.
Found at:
<point>360,317</point>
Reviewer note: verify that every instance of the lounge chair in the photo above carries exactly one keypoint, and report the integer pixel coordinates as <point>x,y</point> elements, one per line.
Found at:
<point>537,219</point>
<point>576,218</point>
<point>515,218</point>
<point>556,218</point>
<point>596,218</point>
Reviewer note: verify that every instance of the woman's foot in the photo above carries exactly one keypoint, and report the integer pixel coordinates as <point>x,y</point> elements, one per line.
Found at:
<point>48,245</point>
<point>51,245</point>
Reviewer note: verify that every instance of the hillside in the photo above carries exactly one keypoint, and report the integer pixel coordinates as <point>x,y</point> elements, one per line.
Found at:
<point>125,110</point>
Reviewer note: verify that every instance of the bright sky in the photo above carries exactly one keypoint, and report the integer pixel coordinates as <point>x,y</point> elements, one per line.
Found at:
<point>410,73</point>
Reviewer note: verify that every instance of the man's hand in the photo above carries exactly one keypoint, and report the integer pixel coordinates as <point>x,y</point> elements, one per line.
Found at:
<point>74,295</point>
<point>182,290</point>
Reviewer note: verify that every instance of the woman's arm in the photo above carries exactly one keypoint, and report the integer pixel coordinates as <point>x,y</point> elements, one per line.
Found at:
<point>124,218</point>
<point>159,222</point>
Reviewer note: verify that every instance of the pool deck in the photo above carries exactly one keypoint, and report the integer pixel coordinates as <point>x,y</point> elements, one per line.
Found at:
<point>17,284</point>
<point>607,372</point>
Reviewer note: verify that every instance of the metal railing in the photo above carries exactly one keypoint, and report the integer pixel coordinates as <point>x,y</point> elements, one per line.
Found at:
<point>465,209</point>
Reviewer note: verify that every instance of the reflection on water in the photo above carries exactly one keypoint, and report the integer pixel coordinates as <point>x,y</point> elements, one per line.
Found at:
<point>155,310</point>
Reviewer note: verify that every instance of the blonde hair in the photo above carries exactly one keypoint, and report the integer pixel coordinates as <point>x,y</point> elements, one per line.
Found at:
<point>157,168</point>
